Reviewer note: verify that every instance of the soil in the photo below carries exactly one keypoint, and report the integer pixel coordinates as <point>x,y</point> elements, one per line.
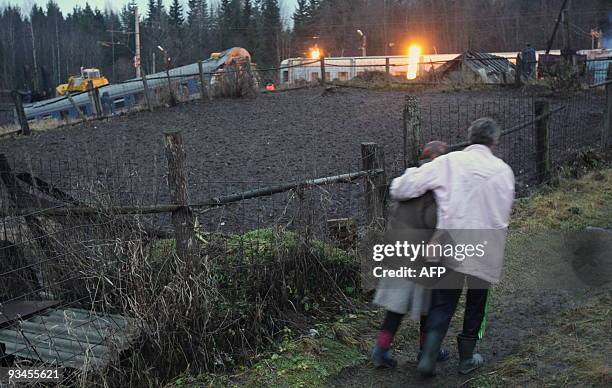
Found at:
<point>234,145</point>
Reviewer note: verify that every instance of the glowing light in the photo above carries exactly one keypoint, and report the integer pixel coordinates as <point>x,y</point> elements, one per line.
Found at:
<point>315,53</point>
<point>414,53</point>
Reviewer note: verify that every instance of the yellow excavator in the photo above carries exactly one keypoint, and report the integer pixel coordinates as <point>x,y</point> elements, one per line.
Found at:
<point>79,83</point>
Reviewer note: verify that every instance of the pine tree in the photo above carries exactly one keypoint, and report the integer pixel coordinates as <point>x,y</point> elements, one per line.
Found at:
<point>270,33</point>
<point>301,27</point>
<point>248,27</point>
<point>175,14</point>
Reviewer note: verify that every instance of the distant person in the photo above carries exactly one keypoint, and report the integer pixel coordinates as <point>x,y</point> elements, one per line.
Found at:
<point>474,191</point>
<point>107,104</point>
<point>528,61</point>
<point>400,296</point>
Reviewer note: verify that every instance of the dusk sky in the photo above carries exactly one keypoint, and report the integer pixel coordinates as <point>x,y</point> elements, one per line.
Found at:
<point>287,6</point>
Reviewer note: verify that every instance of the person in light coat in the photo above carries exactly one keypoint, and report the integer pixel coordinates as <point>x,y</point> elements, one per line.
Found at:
<point>474,191</point>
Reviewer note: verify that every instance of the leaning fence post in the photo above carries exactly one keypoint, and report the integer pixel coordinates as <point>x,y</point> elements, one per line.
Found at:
<point>182,218</point>
<point>76,107</point>
<point>542,126</point>
<point>94,95</point>
<point>608,124</point>
<point>323,76</point>
<point>372,158</point>
<point>412,130</point>
<point>23,121</point>
<point>203,91</point>
<point>518,71</point>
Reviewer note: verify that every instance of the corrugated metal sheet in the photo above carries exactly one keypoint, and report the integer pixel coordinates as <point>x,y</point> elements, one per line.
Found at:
<point>488,67</point>
<point>73,338</point>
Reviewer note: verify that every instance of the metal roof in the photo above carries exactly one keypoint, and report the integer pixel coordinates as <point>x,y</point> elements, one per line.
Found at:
<point>489,67</point>
<point>69,337</point>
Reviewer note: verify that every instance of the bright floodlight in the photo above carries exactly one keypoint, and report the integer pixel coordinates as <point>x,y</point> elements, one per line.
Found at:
<point>161,48</point>
<point>360,32</point>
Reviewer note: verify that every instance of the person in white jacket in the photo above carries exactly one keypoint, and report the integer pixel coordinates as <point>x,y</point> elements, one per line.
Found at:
<point>474,191</point>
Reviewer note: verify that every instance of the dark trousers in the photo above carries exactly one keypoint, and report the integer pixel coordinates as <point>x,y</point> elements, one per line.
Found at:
<point>444,303</point>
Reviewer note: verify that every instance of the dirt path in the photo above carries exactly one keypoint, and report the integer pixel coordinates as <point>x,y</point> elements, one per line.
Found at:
<point>514,317</point>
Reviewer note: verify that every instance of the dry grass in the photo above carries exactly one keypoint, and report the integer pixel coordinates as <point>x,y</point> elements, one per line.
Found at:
<point>573,204</point>
<point>575,352</point>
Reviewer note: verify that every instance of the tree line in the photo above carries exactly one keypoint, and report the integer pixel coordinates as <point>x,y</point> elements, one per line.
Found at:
<point>40,48</point>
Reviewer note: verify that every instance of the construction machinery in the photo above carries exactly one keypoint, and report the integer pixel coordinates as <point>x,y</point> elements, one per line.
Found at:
<point>79,83</point>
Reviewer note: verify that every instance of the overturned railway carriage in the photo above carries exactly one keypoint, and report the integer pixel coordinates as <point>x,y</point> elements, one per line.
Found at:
<point>128,94</point>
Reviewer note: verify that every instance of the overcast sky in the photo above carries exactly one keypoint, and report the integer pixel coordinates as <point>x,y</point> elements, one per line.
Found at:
<point>287,6</point>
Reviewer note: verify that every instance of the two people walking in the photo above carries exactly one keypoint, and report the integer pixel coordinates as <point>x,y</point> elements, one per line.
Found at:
<point>470,190</point>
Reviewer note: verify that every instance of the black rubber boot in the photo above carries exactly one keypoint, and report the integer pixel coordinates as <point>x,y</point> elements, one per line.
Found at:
<point>431,351</point>
<point>468,360</point>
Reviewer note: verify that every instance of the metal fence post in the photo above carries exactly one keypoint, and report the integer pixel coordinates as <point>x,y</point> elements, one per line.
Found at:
<point>372,158</point>
<point>323,76</point>
<point>542,127</point>
<point>608,118</point>
<point>182,218</point>
<point>412,129</point>
<point>21,117</point>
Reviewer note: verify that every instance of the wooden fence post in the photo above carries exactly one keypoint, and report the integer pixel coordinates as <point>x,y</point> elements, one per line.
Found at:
<point>412,131</point>
<point>203,88</point>
<point>323,76</point>
<point>145,85</point>
<point>182,218</point>
<point>518,72</point>
<point>608,118</point>
<point>372,158</point>
<point>94,96</point>
<point>387,65</point>
<point>542,127</point>
<point>21,116</point>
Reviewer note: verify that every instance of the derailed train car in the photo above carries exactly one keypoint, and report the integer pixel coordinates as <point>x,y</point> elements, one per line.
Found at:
<point>129,94</point>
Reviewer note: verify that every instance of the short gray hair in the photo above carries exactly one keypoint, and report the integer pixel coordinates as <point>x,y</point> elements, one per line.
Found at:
<point>484,131</point>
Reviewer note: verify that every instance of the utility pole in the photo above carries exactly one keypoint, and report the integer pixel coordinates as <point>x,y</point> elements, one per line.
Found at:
<point>566,25</point>
<point>113,45</point>
<point>137,34</point>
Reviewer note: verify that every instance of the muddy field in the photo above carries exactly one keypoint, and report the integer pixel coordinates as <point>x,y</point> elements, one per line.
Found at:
<point>236,145</point>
